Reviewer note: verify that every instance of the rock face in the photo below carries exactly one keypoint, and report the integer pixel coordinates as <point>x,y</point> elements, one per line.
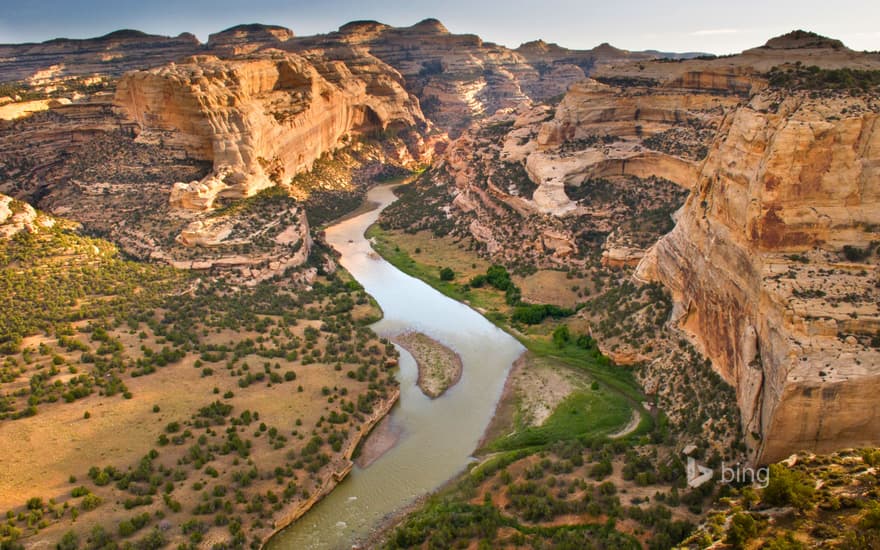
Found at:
<point>220,237</point>
<point>460,78</point>
<point>265,118</point>
<point>21,109</point>
<point>34,147</point>
<point>573,145</point>
<point>757,266</point>
<point>597,131</point>
<point>743,71</point>
<point>533,185</point>
<point>456,77</point>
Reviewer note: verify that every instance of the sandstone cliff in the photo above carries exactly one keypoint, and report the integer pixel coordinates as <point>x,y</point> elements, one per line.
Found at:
<point>456,77</point>
<point>265,118</point>
<point>533,184</point>
<point>541,162</point>
<point>758,264</point>
<point>601,131</point>
<point>461,77</point>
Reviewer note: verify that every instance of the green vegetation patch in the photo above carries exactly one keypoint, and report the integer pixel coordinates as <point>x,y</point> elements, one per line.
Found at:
<point>583,414</point>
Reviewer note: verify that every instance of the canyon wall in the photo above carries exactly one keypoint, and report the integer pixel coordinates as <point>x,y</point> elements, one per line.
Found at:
<point>762,281</point>
<point>772,261</point>
<point>265,118</point>
<point>600,131</point>
<point>457,77</point>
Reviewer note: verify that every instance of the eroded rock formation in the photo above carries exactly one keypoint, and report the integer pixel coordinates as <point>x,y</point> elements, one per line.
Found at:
<point>772,260</point>
<point>17,216</point>
<point>759,271</point>
<point>460,78</point>
<point>245,39</point>
<point>265,118</point>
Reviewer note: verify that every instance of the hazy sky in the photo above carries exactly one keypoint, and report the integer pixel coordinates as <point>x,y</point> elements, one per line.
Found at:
<point>683,25</point>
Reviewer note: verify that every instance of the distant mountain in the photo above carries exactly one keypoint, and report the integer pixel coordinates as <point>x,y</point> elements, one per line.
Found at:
<point>111,54</point>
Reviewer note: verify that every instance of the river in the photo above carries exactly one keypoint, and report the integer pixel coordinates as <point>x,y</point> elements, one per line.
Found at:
<point>437,436</point>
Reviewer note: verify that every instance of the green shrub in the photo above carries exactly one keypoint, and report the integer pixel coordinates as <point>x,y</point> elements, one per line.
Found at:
<point>498,277</point>
<point>788,488</point>
<point>90,502</point>
<point>561,336</point>
<point>533,314</point>
<point>743,528</point>
<point>856,254</point>
<point>70,541</point>
<point>126,528</point>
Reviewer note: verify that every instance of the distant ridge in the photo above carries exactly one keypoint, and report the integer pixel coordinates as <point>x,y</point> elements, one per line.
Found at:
<point>800,39</point>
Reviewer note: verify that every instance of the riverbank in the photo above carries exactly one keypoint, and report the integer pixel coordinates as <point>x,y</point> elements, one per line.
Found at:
<point>367,205</point>
<point>439,367</point>
<point>339,471</point>
<point>382,439</point>
<point>502,422</point>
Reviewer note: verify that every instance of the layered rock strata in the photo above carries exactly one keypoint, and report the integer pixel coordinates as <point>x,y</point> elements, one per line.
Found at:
<point>263,119</point>
<point>773,269</point>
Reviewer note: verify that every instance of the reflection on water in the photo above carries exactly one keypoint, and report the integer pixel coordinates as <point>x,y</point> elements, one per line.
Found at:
<point>437,435</point>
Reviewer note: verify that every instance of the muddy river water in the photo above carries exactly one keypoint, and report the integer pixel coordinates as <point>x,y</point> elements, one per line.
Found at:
<point>437,436</point>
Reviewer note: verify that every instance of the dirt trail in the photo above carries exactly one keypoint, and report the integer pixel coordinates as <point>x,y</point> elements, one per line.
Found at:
<point>631,426</point>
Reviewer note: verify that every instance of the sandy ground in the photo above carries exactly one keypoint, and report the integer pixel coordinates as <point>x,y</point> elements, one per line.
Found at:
<point>540,388</point>
<point>534,388</point>
<point>382,439</point>
<point>58,442</point>
<point>439,367</point>
<point>552,287</point>
<point>502,421</point>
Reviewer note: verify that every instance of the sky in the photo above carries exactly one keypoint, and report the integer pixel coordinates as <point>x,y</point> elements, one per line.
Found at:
<point>683,25</point>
